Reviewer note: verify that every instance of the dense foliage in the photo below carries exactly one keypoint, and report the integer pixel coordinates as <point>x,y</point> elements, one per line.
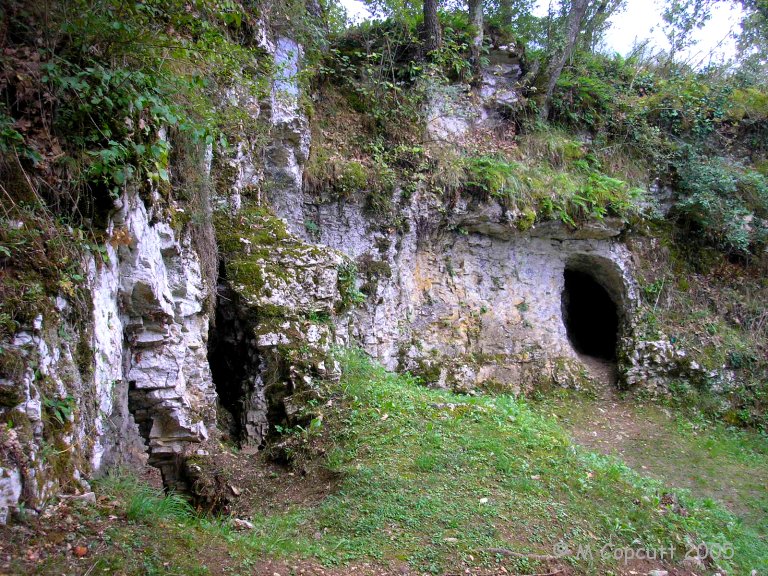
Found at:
<point>107,86</point>
<point>700,132</point>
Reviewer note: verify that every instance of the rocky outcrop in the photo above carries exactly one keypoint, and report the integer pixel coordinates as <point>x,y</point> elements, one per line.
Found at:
<point>454,111</point>
<point>161,296</point>
<point>651,365</point>
<point>490,310</point>
<point>277,296</point>
<point>90,391</point>
<point>460,295</point>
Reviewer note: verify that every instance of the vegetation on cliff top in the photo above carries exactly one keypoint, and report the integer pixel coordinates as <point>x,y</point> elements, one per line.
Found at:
<point>622,124</point>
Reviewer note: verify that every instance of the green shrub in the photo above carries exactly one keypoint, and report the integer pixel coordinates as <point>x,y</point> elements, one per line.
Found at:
<point>353,178</point>
<point>495,178</point>
<point>114,115</point>
<point>347,281</point>
<point>117,87</point>
<point>723,205</point>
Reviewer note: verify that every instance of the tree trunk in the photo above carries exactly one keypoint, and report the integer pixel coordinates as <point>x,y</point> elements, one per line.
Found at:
<point>476,23</point>
<point>432,39</point>
<point>575,18</point>
<point>592,24</point>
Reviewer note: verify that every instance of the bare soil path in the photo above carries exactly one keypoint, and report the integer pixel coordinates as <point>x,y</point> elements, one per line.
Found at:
<point>712,462</point>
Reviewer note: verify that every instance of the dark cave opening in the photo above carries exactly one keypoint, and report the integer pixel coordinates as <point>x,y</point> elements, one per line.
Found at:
<point>228,357</point>
<point>590,315</point>
<point>250,380</point>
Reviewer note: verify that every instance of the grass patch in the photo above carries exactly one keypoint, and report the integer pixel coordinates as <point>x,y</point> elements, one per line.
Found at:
<point>433,480</point>
<point>724,463</point>
<point>145,504</point>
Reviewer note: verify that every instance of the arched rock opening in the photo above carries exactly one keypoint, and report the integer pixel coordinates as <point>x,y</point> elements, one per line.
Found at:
<point>593,305</point>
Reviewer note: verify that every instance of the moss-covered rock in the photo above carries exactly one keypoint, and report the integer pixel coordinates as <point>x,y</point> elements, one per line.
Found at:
<point>282,294</point>
<point>273,270</point>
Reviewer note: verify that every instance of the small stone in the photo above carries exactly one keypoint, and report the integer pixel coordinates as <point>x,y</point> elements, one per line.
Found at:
<point>658,573</point>
<point>693,563</point>
<point>87,497</point>
<point>240,524</point>
<point>235,490</point>
<point>450,540</point>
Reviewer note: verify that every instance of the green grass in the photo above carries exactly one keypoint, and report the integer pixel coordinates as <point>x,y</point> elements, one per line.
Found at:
<point>712,460</point>
<point>419,465</point>
<point>552,177</point>
<point>433,480</point>
<point>144,503</point>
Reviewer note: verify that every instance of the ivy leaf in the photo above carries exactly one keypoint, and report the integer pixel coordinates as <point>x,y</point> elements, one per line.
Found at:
<point>162,173</point>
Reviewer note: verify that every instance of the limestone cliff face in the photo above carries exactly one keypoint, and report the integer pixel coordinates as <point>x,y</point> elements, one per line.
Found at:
<point>461,297</point>
<point>132,382</point>
<point>96,390</point>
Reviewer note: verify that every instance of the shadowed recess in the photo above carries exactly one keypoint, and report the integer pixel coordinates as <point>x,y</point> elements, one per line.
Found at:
<point>590,315</point>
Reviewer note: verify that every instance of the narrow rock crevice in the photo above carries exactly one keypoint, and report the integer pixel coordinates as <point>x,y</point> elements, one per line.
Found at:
<point>237,369</point>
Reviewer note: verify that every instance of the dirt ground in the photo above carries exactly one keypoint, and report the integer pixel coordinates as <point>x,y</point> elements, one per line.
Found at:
<point>649,439</point>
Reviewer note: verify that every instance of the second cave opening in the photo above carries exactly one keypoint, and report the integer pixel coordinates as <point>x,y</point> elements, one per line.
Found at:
<point>590,315</point>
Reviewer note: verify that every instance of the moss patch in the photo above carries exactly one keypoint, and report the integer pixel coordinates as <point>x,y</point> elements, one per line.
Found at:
<point>259,252</point>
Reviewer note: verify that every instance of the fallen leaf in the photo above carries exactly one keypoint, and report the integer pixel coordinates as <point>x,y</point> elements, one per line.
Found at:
<point>80,551</point>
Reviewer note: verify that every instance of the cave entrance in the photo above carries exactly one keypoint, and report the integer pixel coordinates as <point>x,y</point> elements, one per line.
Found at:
<point>227,357</point>
<point>591,313</point>
<point>237,369</point>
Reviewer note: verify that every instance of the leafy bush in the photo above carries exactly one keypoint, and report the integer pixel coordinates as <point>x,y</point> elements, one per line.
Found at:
<point>113,115</point>
<point>103,102</point>
<point>723,205</point>
<point>665,120</point>
<point>347,282</point>
<point>689,105</point>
